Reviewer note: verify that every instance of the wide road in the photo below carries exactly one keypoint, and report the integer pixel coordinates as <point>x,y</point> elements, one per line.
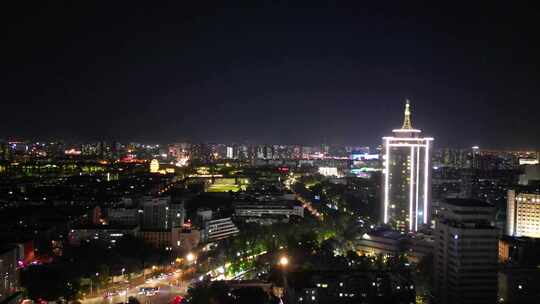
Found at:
<point>169,288</point>
<point>306,203</point>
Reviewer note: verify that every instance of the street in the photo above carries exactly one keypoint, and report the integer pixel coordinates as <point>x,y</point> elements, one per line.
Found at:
<point>168,290</point>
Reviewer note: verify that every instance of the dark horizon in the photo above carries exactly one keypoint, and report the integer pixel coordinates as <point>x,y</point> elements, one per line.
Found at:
<point>272,73</point>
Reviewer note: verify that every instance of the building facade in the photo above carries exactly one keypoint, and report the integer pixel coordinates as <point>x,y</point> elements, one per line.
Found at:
<point>9,286</point>
<point>108,233</point>
<point>523,214</point>
<point>406,181</point>
<point>123,216</point>
<point>157,238</point>
<point>156,213</point>
<point>263,209</point>
<point>466,253</point>
<point>218,229</point>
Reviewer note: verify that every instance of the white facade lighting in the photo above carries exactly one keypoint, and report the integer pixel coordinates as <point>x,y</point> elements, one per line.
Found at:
<point>407,183</point>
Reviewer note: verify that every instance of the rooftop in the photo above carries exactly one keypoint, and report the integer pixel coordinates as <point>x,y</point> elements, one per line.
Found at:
<point>105,227</point>
<point>466,202</point>
<point>265,204</point>
<point>527,189</point>
<point>6,247</point>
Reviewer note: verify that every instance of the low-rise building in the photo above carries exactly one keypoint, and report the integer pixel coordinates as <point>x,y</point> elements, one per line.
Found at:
<point>186,239</point>
<point>264,209</point>
<point>108,233</point>
<point>393,243</point>
<point>382,242</point>
<point>218,229</point>
<point>159,238</point>
<point>419,245</point>
<point>349,287</point>
<point>123,216</point>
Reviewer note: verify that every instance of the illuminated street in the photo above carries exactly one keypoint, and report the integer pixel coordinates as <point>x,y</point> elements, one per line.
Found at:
<point>168,290</point>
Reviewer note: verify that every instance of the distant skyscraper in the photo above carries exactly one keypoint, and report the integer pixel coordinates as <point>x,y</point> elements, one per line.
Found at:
<point>154,166</point>
<point>466,251</point>
<point>181,152</point>
<point>406,181</point>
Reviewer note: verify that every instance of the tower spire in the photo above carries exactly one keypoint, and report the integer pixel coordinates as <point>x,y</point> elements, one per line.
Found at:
<point>407,121</point>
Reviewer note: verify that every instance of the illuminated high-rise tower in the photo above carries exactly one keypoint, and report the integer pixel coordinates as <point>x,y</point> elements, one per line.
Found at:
<point>406,179</point>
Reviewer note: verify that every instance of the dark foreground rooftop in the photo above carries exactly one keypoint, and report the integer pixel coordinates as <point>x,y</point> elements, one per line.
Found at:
<point>466,202</point>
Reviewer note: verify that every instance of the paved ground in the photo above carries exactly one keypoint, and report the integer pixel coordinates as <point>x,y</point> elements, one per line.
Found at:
<point>169,288</point>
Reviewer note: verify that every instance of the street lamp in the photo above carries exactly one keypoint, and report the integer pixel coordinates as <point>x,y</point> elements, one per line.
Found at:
<point>97,275</point>
<point>190,257</point>
<point>283,262</point>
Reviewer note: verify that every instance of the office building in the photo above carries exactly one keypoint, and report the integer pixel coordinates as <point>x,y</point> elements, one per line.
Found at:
<point>391,243</point>
<point>107,233</point>
<point>267,212</point>
<point>157,237</point>
<point>155,213</point>
<point>185,239</point>
<point>523,213</point>
<point>531,175</point>
<point>177,214</point>
<point>123,216</point>
<point>176,239</point>
<point>406,181</point>
<point>338,286</point>
<point>204,214</point>
<point>262,209</point>
<point>218,229</point>
<point>466,253</point>
<point>382,242</point>
<point>328,171</point>
<point>9,287</point>
<point>230,153</point>
<point>161,213</point>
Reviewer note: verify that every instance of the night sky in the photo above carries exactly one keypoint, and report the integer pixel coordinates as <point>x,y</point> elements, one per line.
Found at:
<point>271,73</point>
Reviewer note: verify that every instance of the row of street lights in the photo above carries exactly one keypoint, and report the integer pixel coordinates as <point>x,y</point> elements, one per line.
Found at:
<point>190,257</point>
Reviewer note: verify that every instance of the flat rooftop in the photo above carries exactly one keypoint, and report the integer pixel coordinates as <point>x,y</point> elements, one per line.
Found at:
<point>466,202</point>
<point>387,233</point>
<point>104,227</point>
<point>266,204</point>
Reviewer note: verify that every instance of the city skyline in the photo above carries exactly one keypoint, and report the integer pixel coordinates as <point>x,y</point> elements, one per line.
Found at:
<point>270,152</point>
<point>325,74</point>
